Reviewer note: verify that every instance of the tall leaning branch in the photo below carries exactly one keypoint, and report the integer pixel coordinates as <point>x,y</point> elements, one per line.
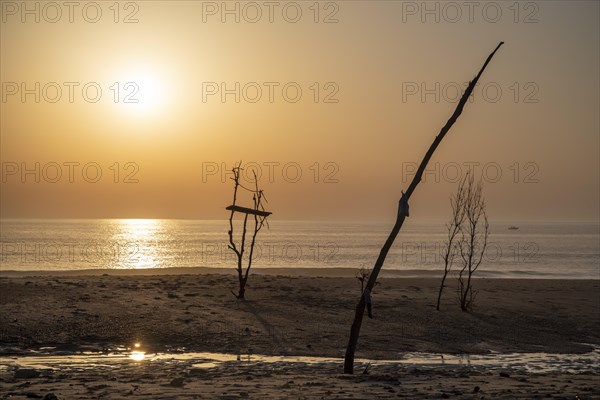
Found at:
<point>402,214</point>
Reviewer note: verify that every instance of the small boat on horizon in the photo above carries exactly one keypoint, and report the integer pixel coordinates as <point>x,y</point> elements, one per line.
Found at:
<point>513,228</point>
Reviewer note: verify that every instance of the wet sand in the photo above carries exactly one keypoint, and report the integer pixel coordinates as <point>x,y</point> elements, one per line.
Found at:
<point>292,380</point>
<point>297,315</point>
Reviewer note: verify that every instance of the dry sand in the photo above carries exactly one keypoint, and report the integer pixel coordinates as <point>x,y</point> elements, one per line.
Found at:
<point>285,315</point>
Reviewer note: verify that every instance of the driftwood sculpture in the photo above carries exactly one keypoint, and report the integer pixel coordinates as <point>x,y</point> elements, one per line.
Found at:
<point>402,214</point>
<point>260,219</point>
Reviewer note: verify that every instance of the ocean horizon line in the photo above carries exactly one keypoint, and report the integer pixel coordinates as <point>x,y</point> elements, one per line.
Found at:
<point>317,220</point>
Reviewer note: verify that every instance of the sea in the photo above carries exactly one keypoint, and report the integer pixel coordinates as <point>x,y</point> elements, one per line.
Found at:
<point>537,250</point>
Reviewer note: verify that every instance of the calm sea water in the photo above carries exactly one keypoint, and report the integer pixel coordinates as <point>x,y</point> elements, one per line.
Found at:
<point>535,250</point>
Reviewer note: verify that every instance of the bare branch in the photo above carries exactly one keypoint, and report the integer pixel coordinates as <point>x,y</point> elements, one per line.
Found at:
<point>259,221</point>
<point>401,216</point>
<point>473,242</point>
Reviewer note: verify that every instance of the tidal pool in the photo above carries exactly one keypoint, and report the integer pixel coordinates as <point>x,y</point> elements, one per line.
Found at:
<point>528,362</point>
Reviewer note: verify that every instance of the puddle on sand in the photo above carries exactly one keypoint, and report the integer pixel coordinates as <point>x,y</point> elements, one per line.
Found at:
<point>529,362</point>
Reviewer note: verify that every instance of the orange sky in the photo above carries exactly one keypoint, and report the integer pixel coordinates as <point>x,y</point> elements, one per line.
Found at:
<point>377,80</point>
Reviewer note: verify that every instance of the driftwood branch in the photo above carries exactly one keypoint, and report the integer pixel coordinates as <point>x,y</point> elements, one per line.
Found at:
<point>236,181</point>
<point>402,214</point>
<point>260,218</point>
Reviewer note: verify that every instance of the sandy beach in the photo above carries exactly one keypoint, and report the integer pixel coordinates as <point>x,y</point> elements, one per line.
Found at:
<point>153,153</point>
<point>290,315</point>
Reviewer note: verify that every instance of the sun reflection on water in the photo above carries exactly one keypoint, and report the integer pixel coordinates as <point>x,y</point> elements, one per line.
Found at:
<point>137,355</point>
<point>138,243</point>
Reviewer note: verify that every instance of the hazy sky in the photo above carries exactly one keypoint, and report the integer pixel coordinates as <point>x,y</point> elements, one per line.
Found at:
<point>335,102</point>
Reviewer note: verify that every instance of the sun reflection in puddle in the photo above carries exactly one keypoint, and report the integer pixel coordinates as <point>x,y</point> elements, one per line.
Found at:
<point>531,362</point>
<point>137,355</point>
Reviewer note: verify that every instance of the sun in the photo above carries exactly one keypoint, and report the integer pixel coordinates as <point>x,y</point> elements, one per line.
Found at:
<point>141,91</point>
<point>147,92</point>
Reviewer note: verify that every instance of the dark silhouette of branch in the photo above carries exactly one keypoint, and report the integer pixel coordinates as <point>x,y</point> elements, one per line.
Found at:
<point>259,221</point>
<point>260,218</point>
<point>457,203</point>
<point>236,180</point>
<point>473,241</point>
<point>402,214</point>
